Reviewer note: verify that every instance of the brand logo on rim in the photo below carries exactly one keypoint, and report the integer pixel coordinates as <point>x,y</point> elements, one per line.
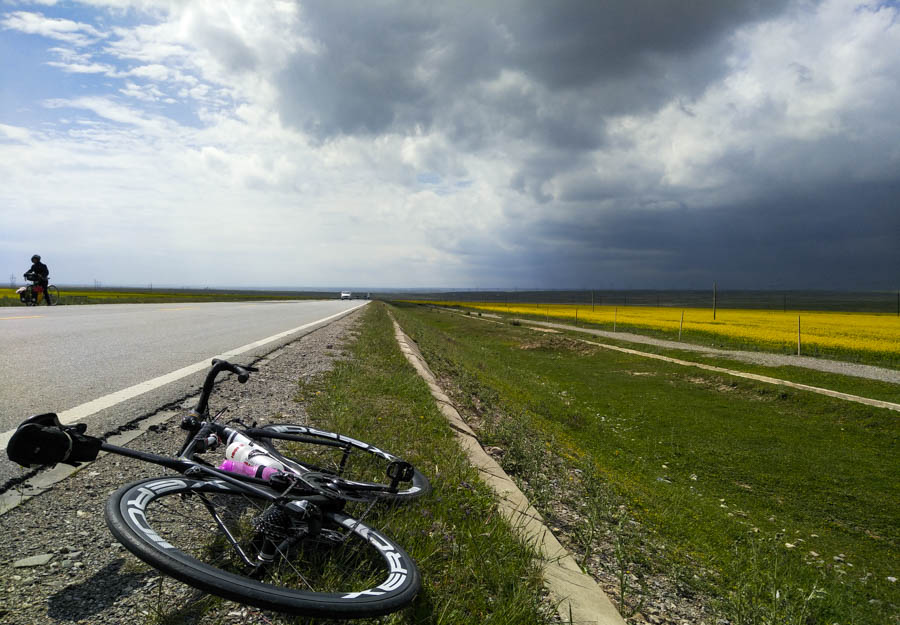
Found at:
<point>135,507</point>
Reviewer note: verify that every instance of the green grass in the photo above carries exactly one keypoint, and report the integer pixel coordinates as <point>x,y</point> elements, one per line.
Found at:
<point>863,387</point>
<point>735,482</point>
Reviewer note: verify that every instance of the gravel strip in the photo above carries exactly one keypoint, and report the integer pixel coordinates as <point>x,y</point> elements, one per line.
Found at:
<point>756,358</point>
<point>61,564</point>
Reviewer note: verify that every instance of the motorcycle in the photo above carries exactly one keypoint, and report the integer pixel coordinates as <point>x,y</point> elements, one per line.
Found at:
<point>33,294</point>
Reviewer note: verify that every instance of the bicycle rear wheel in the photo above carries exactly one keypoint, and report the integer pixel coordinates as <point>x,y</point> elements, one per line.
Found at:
<point>342,456</point>
<point>210,536</point>
<point>52,295</point>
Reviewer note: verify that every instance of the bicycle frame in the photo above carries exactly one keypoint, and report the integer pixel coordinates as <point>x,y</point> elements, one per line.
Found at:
<point>189,467</point>
<point>203,435</point>
<point>196,441</point>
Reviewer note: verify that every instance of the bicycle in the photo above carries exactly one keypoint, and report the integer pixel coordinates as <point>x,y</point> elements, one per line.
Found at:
<point>32,294</point>
<point>278,539</point>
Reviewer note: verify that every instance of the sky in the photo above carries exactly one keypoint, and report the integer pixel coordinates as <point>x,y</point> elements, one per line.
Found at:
<point>623,144</point>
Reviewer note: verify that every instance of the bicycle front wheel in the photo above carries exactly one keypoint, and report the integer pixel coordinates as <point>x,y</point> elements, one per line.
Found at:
<point>213,537</point>
<point>52,295</point>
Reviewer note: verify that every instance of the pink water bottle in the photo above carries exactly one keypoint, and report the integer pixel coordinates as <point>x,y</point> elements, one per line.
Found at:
<point>252,454</point>
<point>261,472</point>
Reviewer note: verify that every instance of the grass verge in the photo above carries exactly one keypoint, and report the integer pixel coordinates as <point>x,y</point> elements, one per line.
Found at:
<point>770,505</point>
<point>474,568</point>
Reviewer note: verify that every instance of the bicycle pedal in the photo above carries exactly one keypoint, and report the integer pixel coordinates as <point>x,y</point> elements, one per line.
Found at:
<point>400,471</point>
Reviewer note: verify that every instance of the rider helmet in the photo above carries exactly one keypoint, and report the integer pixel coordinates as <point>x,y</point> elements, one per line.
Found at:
<point>35,257</point>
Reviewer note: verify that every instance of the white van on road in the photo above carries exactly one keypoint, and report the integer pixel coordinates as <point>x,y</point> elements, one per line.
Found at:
<point>346,295</point>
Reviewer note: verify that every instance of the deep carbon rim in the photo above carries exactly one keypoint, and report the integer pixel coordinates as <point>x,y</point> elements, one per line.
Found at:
<point>165,522</point>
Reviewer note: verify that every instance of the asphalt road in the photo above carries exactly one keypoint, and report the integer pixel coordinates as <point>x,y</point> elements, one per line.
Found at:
<point>109,364</point>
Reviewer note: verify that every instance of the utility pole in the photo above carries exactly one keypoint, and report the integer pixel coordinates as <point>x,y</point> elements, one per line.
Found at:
<point>714,301</point>
<point>12,281</point>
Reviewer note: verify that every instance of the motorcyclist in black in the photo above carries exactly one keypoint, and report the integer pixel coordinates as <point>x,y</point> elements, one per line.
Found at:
<point>39,274</point>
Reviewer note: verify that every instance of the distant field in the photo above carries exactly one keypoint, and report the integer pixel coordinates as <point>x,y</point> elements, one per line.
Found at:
<point>76,295</point>
<point>867,337</point>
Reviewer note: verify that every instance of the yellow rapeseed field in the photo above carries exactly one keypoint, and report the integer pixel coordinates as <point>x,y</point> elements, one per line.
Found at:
<point>766,329</point>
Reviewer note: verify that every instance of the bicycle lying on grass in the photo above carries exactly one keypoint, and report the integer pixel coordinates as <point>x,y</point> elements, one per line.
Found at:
<point>265,527</point>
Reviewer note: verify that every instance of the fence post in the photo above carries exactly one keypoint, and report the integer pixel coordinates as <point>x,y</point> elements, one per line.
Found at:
<point>681,325</point>
<point>615,317</point>
<point>798,335</point>
<point>714,301</point>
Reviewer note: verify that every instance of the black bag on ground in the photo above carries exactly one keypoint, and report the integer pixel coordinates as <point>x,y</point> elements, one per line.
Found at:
<point>42,440</point>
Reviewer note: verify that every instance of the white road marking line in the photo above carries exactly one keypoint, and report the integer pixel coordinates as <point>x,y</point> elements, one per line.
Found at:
<point>108,401</point>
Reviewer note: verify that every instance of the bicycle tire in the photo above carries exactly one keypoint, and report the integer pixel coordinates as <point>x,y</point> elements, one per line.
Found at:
<point>164,522</point>
<point>52,295</point>
<point>418,486</point>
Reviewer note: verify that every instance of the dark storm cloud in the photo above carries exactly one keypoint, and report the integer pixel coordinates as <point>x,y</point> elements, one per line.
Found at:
<point>361,79</point>
<point>840,236</point>
<point>573,44</point>
<point>384,66</point>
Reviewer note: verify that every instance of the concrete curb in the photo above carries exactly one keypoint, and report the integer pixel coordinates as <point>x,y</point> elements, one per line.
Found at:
<point>578,597</point>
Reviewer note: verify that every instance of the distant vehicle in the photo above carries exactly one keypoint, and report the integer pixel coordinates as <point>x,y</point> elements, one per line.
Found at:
<point>346,295</point>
